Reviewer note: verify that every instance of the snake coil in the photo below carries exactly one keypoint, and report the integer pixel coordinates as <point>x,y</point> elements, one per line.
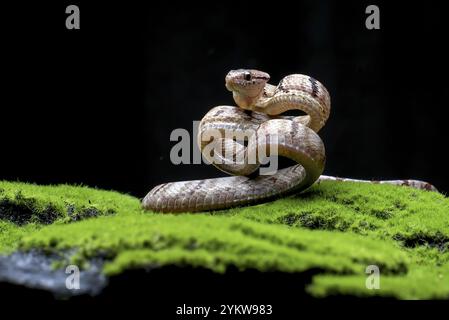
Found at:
<point>236,140</point>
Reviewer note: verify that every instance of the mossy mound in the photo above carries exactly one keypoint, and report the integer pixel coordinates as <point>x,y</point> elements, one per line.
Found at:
<point>335,229</point>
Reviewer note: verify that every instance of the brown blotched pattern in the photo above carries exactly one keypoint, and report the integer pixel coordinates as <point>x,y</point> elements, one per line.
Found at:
<point>235,140</point>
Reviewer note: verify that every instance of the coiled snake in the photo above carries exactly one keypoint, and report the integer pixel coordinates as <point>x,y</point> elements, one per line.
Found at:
<point>257,130</point>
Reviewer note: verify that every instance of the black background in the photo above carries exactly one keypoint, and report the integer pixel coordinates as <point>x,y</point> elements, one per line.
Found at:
<point>97,105</point>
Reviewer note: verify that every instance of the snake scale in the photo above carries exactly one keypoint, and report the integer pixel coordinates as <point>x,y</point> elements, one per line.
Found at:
<point>257,125</point>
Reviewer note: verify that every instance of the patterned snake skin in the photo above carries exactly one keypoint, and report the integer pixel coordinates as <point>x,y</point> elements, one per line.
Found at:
<point>257,130</point>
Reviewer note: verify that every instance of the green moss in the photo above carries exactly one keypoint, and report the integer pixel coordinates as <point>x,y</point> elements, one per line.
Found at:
<point>25,208</point>
<point>216,243</point>
<point>10,234</point>
<point>334,229</point>
<point>420,282</point>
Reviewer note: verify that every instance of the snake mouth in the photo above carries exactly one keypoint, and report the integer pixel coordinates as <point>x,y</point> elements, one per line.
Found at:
<point>234,86</point>
<point>231,83</point>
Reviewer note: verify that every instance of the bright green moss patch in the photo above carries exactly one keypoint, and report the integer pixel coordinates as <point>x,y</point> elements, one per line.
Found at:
<point>70,203</point>
<point>25,208</point>
<point>334,229</point>
<point>420,282</point>
<point>10,234</point>
<point>216,243</point>
<point>411,216</point>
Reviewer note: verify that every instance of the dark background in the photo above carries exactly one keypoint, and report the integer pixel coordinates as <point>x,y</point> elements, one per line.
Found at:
<point>97,105</point>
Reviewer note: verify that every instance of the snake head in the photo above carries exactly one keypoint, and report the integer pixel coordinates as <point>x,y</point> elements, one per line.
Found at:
<point>246,86</point>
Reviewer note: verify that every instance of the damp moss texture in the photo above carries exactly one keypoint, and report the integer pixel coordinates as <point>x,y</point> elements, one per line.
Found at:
<point>335,229</point>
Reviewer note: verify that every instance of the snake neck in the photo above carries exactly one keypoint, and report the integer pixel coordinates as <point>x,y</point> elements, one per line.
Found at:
<point>246,101</point>
<point>281,102</point>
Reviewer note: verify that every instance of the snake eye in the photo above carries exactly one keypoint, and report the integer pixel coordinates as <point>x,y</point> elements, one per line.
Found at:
<point>247,76</point>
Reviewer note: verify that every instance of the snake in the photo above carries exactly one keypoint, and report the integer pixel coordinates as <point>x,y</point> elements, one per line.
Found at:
<point>239,139</point>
